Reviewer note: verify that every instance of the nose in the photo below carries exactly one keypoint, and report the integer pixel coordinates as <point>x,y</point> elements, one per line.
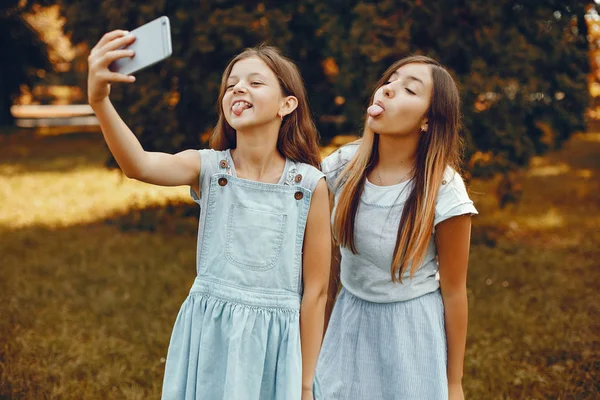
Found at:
<point>388,91</point>
<point>239,88</point>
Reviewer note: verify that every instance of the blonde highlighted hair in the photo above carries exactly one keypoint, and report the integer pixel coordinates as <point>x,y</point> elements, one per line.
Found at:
<point>437,149</point>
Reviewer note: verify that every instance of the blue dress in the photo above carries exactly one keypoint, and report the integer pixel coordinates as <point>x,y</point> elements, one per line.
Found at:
<point>237,335</point>
<point>386,340</point>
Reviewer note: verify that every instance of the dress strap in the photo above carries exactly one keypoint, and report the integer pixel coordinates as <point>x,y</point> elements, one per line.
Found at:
<point>224,163</point>
<point>306,176</point>
<point>293,177</point>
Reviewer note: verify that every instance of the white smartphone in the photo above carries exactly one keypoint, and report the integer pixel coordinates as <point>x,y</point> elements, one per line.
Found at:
<point>152,44</point>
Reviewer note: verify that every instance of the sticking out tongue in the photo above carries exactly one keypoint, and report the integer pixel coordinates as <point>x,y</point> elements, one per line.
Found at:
<point>374,110</point>
<point>238,108</point>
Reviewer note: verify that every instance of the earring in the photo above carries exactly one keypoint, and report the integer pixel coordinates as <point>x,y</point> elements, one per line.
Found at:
<point>280,116</point>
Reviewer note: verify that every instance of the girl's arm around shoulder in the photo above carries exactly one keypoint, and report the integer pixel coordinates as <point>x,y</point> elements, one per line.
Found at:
<point>316,260</point>
<point>333,165</point>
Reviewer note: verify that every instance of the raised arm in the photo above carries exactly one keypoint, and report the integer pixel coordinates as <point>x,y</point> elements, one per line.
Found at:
<point>152,167</point>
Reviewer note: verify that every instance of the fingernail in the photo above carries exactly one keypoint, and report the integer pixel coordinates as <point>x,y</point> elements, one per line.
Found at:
<point>132,78</point>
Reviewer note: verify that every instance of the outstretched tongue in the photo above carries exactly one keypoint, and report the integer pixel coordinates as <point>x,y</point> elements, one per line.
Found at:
<point>238,108</point>
<point>374,110</point>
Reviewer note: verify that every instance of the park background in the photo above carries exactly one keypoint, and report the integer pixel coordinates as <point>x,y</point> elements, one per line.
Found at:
<point>94,266</point>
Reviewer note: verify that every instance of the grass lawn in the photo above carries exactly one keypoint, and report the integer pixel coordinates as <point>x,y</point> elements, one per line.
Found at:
<point>94,267</point>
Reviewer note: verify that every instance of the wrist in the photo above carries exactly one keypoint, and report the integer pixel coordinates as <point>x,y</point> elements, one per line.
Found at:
<point>97,103</point>
<point>455,378</point>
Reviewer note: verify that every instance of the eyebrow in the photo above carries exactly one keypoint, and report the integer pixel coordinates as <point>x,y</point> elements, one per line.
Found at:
<point>252,75</point>
<point>408,78</point>
<point>414,78</point>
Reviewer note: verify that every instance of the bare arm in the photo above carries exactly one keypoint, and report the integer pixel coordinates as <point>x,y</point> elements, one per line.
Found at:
<point>156,168</point>
<point>453,237</point>
<point>317,255</point>
<point>334,283</point>
<point>334,273</point>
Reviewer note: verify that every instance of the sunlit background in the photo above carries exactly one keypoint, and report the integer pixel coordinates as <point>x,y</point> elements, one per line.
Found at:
<point>94,266</point>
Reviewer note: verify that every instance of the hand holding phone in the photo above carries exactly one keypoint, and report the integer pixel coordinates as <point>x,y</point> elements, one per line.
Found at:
<point>120,53</point>
<point>152,44</point>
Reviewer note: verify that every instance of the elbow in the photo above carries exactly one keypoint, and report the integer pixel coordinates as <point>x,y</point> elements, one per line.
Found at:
<point>136,172</point>
<point>315,295</point>
<point>133,174</point>
<point>454,293</point>
<point>135,167</point>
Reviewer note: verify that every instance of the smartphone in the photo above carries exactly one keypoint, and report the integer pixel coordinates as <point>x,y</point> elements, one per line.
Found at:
<point>152,44</point>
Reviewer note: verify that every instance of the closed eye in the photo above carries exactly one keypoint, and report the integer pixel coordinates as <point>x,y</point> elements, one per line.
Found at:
<point>410,91</point>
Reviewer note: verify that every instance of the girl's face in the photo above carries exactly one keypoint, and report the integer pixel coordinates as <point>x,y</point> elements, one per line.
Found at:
<point>253,96</point>
<point>400,105</point>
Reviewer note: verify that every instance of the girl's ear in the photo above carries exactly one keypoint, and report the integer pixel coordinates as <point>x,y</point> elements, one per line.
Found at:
<point>424,125</point>
<point>289,104</point>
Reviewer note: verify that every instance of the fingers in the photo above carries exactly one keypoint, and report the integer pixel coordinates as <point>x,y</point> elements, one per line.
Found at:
<point>108,37</point>
<point>118,43</point>
<point>109,49</point>
<point>98,63</point>
<point>112,77</point>
<point>111,56</point>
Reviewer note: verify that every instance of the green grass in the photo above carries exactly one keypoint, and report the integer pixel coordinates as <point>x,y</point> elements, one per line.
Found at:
<point>93,271</point>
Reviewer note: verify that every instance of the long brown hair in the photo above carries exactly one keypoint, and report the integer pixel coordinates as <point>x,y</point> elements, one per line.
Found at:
<point>298,138</point>
<point>437,149</point>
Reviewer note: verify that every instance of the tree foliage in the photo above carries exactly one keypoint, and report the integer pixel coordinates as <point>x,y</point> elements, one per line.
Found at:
<point>22,53</point>
<point>521,66</point>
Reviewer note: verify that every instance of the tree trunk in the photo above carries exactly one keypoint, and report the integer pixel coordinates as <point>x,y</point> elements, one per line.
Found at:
<point>6,117</point>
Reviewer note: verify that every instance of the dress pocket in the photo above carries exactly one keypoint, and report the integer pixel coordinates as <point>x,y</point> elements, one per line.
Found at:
<point>254,237</point>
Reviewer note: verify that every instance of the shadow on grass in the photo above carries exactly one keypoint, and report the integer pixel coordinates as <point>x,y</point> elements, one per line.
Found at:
<point>27,152</point>
<point>87,309</point>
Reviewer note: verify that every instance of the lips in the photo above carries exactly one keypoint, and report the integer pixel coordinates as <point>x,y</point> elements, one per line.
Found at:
<point>376,109</point>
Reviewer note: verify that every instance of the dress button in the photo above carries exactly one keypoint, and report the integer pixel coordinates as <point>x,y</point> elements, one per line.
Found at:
<point>222,181</point>
<point>223,164</point>
<point>444,182</point>
<point>298,195</point>
<point>298,178</point>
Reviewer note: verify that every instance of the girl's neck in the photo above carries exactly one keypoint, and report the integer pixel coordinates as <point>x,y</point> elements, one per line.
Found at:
<point>256,156</point>
<point>397,153</point>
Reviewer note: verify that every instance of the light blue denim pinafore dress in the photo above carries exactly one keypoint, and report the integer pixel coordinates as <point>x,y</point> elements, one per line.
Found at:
<point>237,335</point>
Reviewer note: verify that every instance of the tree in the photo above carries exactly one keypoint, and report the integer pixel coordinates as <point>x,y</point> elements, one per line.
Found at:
<point>520,65</point>
<point>23,53</point>
<point>173,103</point>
